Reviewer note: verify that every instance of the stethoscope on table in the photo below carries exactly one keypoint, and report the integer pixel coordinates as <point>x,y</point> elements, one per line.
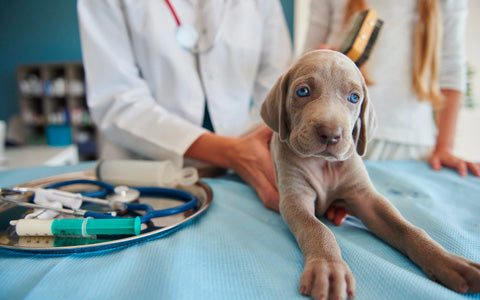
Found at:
<point>119,199</point>
<point>187,36</point>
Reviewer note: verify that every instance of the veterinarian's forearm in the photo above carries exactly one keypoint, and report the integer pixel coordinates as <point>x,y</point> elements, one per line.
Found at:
<point>211,148</point>
<point>446,118</point>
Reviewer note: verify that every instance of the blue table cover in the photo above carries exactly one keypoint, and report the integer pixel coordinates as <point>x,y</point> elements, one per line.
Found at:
<point>240,250</point>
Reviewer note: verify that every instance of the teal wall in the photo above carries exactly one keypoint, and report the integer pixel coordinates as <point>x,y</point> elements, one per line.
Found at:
<point>33,31</point>
<point>288,10</point>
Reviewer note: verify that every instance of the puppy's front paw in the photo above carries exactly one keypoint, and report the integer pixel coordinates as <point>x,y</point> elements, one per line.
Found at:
<point>322,279</point>
<point>456,273</point>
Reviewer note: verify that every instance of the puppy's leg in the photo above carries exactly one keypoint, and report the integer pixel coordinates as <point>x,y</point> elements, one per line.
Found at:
<point>381,217</point>
<point>325,275</point>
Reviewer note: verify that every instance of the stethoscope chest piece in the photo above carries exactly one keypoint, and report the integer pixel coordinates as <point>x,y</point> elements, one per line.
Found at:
<point>187,36</point>
<point>123,194</point>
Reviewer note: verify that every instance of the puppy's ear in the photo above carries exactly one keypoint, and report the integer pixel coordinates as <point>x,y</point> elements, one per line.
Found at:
<point>365,125</point>
<point>274,107</point>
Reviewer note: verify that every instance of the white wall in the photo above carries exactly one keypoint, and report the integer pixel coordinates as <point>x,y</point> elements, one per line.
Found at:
<point>467,142</point>
<point>473,44</point>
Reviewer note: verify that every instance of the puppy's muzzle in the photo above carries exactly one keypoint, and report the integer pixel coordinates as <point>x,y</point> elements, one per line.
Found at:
<point>328,135</point>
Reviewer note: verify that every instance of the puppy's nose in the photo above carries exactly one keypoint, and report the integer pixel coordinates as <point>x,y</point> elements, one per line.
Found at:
<point>328,135</point>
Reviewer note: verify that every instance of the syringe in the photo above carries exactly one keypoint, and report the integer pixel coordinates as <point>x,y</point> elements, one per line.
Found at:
<point>77,227</point>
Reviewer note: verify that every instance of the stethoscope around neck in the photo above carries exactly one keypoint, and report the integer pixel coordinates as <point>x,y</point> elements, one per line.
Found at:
<point>187,36</point>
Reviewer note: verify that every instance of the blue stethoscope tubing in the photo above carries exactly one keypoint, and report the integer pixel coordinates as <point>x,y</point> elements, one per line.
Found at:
<point>176,194</point>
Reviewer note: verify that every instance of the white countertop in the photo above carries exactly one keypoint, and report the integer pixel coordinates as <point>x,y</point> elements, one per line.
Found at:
<point>30,156</point>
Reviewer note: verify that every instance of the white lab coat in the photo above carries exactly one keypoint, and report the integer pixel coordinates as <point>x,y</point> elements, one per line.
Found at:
<point>144,91</point>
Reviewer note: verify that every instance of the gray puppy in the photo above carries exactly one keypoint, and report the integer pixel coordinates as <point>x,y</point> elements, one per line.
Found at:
<point>321,116</point>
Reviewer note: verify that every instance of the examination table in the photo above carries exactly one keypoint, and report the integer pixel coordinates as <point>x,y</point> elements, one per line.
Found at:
<point>238,249</point>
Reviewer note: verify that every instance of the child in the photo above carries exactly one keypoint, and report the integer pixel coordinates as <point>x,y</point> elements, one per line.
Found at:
<point>417,70</point>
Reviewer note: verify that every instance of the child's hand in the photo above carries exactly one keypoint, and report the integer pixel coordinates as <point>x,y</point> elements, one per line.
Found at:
<point>327,47</point>
<point>444,157</point>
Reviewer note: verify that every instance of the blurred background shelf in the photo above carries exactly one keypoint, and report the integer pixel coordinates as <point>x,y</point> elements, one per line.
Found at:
<point>53,106</point>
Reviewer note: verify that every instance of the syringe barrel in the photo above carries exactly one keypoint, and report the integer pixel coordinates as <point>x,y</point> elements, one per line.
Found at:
<point>88,227</point>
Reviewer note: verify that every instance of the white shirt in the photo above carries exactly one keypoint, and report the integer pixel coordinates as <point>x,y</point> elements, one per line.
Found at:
<point>144,91</point>
<point>401,117</point>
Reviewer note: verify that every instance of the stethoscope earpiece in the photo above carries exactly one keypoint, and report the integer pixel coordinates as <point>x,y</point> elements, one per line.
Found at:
<point>187,37</point>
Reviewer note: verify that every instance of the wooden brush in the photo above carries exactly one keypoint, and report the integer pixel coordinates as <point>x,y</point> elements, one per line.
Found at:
<point>362,36</point>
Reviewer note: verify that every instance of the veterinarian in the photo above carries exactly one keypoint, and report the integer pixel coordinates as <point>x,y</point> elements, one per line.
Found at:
<point>175,79</point>
<point>416,88</point>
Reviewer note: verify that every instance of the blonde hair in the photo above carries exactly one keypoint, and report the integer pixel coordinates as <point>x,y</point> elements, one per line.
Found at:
<point>426,48</point>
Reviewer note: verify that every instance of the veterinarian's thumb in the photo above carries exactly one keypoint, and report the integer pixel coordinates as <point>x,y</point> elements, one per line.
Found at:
<point>435,163</point>
<point>265,133</point>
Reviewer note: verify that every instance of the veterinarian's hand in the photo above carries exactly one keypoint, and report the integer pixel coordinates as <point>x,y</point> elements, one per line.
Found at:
<point>249,156</point>
<point>336,215</point>
<point>252,161</point>
<point>444,157</point>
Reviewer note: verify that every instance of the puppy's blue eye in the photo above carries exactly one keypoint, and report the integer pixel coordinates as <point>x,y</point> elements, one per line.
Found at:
<point>303,92</point>
<point>353,98</point>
